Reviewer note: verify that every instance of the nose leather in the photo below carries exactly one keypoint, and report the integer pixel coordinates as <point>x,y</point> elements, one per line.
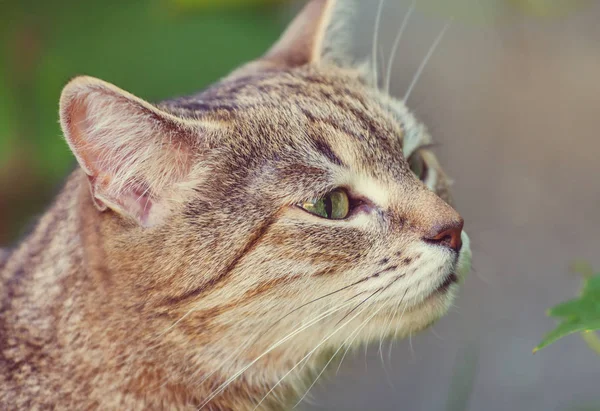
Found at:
<point>448,235</point>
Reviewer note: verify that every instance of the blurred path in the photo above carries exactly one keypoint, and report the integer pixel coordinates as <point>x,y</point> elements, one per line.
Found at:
<point>516,107</point>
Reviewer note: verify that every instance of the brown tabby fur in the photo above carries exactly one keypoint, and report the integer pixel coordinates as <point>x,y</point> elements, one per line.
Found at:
<point>175,255</point>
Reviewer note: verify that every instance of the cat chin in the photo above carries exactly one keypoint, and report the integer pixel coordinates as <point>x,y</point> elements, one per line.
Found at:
<point>400,323</point>
<point>428,311</point>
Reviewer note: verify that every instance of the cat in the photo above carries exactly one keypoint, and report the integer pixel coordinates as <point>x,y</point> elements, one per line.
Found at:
<point>209,250</point>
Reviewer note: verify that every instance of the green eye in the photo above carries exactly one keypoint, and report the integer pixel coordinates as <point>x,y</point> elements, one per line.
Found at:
<point>334,206</point>
<point>417,165</point>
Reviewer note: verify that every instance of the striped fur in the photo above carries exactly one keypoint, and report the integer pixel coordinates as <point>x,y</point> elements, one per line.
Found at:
<point>175,257</point>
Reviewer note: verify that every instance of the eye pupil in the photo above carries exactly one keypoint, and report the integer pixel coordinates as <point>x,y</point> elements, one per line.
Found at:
<point>333,206</point>
<point>328,206</point>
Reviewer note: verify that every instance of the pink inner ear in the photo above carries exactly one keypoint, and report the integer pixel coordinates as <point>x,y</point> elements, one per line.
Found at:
<point>143,204</point>
<point>77,128</point>
<point>137,199</point>
<point>133,153</point>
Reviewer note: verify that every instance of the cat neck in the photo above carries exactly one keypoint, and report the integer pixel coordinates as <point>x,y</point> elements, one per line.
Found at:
<point>69,330</point>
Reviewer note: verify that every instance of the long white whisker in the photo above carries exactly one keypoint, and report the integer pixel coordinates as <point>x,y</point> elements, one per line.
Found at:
<point>426,60</point>
<point>382,60</point>
<point>375,41</point>
<point>387,327</point>
<point>434,332</point>
<point>323,341</point>
<point>224,385</point>
<point>231,357</point>
<point>254,338</point>
<point>388,322</point>
<point>353,336</point>
<point>346,352</point>
<point>236,353</point>
<point>388,77</point>
<point>304,365</point>
<point>350,345</point>
<point>183,317</point>
<point>396,332</point>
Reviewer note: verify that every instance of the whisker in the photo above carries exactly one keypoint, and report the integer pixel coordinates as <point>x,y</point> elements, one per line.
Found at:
<point>304,365</point>
<point>396,332</point>
<point>224,385</point>
<point>391,347</point>
<point>318,299</point>
<point>391,319</point>
<point>435,333</point>
<point>361,303</point>
<point>426,60</point>
<point>412,350</point>
<point>382,60</point>
<point>481,277</point>
<point>253,339</point>
<point>388,77</point>
<point>347,348</point>
<point>353,335</point>
<point>231,357</point>
<point>376,40</point>
<point>388,323</point>
<point>388,377</point>
<point>314,349</point>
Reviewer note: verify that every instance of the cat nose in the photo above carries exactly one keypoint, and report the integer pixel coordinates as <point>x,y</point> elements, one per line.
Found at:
<point>447,235</point>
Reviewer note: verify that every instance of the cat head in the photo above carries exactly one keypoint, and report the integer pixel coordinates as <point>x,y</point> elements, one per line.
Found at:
<point>292,198</point>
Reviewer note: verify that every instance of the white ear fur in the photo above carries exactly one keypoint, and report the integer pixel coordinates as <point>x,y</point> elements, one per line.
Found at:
<point>133,153</point>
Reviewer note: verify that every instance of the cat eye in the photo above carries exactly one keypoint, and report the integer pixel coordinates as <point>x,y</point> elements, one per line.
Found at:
<point>417,165</point>
<point>334,205</point>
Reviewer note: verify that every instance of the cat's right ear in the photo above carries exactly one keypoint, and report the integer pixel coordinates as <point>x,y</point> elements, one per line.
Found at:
<point>138,158</point>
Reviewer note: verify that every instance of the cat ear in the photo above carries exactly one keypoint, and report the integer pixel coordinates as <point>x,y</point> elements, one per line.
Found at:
<point>323,32</point>
<point>136,156</point>
<point>304,40</point>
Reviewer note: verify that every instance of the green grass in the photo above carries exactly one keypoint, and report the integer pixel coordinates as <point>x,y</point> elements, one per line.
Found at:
<point>152,48</point>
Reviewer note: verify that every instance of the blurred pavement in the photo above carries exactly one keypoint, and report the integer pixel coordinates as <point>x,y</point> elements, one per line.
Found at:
<point>515,104</point>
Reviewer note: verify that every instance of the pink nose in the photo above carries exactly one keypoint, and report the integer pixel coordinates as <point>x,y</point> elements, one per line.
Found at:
<point>448,235</point>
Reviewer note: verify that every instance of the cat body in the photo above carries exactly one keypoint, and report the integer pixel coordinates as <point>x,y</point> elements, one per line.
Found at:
<point>182,265</point>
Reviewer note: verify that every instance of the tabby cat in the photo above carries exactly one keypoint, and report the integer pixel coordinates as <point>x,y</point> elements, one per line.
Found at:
<point>209,250</point>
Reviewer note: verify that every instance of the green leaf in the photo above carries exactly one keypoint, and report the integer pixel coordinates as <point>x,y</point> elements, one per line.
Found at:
<point>577,315</point>
<point>567,328</point>
<point>573,308</point>
<point>583,268</point>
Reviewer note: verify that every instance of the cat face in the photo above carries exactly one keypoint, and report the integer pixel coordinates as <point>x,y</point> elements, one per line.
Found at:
<point>293,197</point>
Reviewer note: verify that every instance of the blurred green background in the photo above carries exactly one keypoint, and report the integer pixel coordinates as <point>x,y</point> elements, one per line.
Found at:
<point>152,48</point>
